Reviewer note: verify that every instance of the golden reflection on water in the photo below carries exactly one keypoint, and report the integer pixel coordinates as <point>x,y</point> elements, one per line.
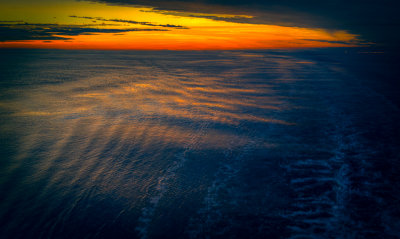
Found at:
<point>129,130</point>
<point>204,99</point>
<point>90,113</point>
<point>152,106</point>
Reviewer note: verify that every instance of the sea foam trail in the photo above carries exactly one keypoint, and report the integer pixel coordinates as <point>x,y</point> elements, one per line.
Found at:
<point>163,182</point>
<point>321,187</point>
<point>206,219</point>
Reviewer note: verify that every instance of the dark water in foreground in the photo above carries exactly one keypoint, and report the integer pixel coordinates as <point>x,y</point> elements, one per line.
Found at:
<point>278,144</point>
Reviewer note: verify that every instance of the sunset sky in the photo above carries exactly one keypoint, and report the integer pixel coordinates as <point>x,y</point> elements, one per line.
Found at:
<point>181,25</point>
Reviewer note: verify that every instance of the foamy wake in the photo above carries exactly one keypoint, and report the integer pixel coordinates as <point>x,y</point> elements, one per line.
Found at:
<point>164,181</point>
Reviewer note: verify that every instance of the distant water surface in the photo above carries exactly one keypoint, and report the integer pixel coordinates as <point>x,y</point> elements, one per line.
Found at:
<point>263,144</point>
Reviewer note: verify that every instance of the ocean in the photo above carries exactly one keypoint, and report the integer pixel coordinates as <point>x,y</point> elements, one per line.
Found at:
<point>198,144</point>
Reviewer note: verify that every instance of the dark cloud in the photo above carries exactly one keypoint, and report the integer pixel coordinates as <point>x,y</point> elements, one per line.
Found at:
<point>26,31</point>
<point>131,22</point>
<point>376,21</point>
<point>334,42</point>
<point>239,19</point>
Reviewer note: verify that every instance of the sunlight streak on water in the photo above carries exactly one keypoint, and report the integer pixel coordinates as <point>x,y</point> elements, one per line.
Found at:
<point>132,125</point>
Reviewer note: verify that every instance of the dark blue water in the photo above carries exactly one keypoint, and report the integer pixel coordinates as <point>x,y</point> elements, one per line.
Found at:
<point>266,144</point>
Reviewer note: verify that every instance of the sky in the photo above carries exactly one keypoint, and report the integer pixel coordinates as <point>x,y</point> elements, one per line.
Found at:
<point>196,24</point>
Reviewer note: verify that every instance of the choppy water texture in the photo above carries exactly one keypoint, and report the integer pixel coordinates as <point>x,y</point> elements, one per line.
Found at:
<point>278,144</point>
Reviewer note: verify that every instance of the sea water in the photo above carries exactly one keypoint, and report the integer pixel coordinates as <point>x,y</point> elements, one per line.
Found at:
<point>213,144</point>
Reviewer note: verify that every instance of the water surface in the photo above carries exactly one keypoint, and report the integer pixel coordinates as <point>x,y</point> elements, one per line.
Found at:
<point>263,144</point>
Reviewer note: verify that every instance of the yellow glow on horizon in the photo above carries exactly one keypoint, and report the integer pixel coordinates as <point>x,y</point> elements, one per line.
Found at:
<point>202,33</point>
